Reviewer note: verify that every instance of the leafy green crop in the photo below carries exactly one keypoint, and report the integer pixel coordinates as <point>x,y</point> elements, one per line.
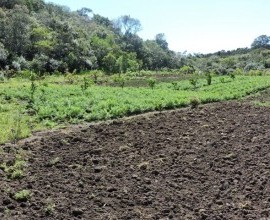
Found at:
<point>60,104</point>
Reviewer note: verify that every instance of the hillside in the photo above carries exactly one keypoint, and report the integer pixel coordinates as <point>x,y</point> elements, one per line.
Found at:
<point>48,38</point>
<point>51,38</point>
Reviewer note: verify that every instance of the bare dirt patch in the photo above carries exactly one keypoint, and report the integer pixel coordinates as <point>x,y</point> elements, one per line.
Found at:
<point>212,162</point>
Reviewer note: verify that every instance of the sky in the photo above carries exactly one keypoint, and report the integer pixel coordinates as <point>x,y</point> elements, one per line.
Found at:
<point>195,26</point>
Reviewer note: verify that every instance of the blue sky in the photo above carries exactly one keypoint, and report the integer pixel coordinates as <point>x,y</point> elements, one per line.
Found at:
<point>199,26</point>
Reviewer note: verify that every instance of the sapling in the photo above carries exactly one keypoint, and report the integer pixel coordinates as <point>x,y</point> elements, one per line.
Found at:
<point>193,81</point>
<point>152,82</point>
<point>85,84</point>
<point>33,88</point>
<point>209,79</point>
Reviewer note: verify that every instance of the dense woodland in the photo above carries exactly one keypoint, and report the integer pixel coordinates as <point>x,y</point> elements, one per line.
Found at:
<point>48,38</point>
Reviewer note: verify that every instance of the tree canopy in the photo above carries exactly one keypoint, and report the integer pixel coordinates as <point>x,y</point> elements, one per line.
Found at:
<point>48,38</point>
<point>45,37</point>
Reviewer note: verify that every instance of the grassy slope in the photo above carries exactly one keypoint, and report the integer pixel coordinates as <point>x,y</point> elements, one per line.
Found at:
<point>61,103</point>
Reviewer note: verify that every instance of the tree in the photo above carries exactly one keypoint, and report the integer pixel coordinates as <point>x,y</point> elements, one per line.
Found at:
<point>9,4</point>
<point>18,30</point>
<point>128,25</point>
<point>261,41</point>
<point>187,70</point>
<point>100,20</point>
<point>122,63</point>
<point>3,55</point>
<point>109,63</point>
<point>161,41</point>
<point>84,12</point>
<point>154,56</point>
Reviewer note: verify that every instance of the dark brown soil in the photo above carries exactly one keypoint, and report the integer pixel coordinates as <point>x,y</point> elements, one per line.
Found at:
<point>212,162</point>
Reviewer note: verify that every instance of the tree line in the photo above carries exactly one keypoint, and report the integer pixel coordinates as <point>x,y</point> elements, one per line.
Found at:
<point>45,37</point>
<point>48,38</point>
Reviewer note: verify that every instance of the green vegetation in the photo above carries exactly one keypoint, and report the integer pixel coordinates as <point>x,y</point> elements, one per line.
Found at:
<point>49,207</point>
<point>23,195</point>
<point>48,38</point>
<point>15,170</point>
<point>264,103</point>
<point>57,102</point>
<point>59,66</point>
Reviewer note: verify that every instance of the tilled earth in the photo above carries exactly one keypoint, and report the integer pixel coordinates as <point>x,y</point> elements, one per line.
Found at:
<point>212,162</point>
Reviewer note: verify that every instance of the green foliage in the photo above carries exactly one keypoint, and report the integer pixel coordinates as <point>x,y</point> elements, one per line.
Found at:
<point>261,42</point>
<point>121,80</point>
<point>232,75</point>
<point>71,78</point>
<point>152,82</point>
<point>175,85</point>
<point>60,103</point>
<point>23,195</point>
<point>222,79</point>
<point>194,102</point>
<point>86,83</point>
<point>49,207</point>
<point>16,170</point>
<point>187,70</point>
<point>193,81</point>
<point>209,79</point>
<point>16,130</point>
<point>109,63</point>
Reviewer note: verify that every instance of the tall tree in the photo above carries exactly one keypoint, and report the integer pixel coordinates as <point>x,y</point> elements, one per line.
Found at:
<point>261,41</point>
<point>161,41</point>
<point>128,25</point>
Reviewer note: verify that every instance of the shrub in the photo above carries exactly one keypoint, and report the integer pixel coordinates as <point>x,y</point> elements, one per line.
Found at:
<point>194,102</point>
<point>86,84</point>
<point>175,85</point>
<point>187,70</point>
<point>222,80</point>
<point>193,81</point>
<point>121,80</point>
<point>232,75</point>
<point>152,82</point>
<point>209,79</point>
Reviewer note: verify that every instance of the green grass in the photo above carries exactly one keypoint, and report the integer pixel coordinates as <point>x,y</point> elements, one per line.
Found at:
<point>58,103</point>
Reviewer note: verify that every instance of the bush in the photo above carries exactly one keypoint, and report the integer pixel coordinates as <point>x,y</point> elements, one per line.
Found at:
<point>193,81</point>
<point>152,82</point>
<point>195,102</point>
<point>187,70</point>
<point>121,80</point>
<point>209,79</point>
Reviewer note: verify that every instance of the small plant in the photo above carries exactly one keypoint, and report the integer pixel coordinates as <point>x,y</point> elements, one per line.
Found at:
<point>33,88</point>
<point>22,196</point>
<point>175,85</point>
<point>16,129</point>
<point>152,82</point>
<point>209,79</point>
<point>17,174</point>
<point>50,206</point>
<point>2,77</point>
<point>194,102</point>
<point>71,78</point>
<point>193,81</point>
<point>222,80</point>
<point>96,74</point>
<point>14,170</point>
<point>232,75</point>
<point>121,80</point>
<point>85,85</point>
